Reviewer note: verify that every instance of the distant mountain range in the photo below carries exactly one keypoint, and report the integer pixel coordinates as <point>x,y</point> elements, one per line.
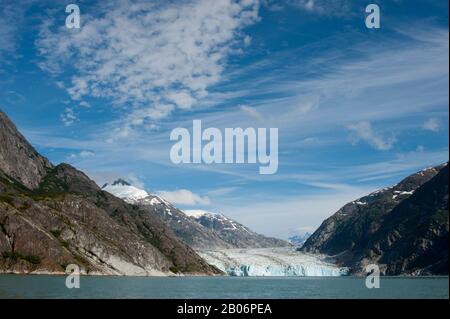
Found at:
<point>299,240</point>
<point>52,216</point>
<point>403,228</point>
<point>199,229</point>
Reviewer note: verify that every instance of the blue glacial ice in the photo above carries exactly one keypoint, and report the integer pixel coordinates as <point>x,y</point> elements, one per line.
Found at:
<point>271,262</point>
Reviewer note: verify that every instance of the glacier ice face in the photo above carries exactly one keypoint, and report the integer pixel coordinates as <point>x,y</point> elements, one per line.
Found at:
<point>271,262</point>
<point>284,270</point>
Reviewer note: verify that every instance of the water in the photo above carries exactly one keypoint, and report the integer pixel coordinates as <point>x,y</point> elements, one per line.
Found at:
<point>19,286</point>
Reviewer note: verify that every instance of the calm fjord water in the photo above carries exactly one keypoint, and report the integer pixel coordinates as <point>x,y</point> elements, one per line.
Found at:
<point>19,286</point>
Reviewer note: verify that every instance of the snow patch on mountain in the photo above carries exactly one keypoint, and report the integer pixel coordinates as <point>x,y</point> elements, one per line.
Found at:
<point>126,191</point>
<point>132,194</point>
<point>198,213</point>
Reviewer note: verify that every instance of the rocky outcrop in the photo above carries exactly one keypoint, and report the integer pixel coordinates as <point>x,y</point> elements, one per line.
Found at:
<point>24,163</point>
<point>54,216</point>
<point>403,229</point>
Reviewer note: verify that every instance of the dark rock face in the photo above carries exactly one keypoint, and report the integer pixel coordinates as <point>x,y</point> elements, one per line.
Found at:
<point>404,228</point>
<point>24,164</point>
<point>413,238</point>
<point>54,216</point>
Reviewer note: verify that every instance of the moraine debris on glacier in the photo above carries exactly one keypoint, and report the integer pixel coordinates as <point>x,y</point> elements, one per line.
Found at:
<point>280,261</point>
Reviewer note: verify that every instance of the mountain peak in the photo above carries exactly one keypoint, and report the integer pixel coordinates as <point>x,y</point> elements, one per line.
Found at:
<point>122,182</point>
<point>124,190</point>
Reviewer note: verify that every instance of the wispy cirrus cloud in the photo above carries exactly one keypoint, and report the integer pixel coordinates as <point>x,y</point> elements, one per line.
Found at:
<point>251,111</point>
<point>363,131</point>
<point>11,22</point>
<point>82,155</point>
<point>154,57</point>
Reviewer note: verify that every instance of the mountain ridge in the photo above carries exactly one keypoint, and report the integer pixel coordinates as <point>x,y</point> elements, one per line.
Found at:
<point>366,231</point>
<point>52,216</point>
<point>202,231</point>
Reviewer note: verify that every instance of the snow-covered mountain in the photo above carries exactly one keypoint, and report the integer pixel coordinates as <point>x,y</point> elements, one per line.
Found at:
<point>124,190</point>
<point>199,229</point>
<point>233,232</point>
<point>184,227</point>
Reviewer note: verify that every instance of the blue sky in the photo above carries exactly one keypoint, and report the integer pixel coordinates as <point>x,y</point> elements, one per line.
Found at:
<point>356,109</point>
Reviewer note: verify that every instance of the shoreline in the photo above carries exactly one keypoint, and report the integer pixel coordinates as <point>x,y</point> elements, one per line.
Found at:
<point>354,276</point>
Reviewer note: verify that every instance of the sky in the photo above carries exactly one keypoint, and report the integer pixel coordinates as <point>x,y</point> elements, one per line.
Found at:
<point>356,109</point>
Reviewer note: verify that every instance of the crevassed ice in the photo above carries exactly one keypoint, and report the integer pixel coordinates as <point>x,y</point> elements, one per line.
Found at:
<point>271,262</point>
<point>314,270</point>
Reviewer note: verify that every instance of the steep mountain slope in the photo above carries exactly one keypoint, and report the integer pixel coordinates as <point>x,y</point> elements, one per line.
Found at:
<point>184,227</point>
<point>54,216</point>
<point>200,230</point>
<point>233,232</point>
<point>403,227</point>
<point>24,163</point>
<point>413,238</point>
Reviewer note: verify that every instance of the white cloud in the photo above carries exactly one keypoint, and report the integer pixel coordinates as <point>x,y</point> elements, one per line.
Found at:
<point>86,154</point>
<point>84,104</point>
<point>363,131</point>
<point>184,197</point>
<point>155,57</point>
<point>68,117</point>
<point>182,99</point>
<point>432,125</point>
<point>82,155</point>
<point>251,111</point>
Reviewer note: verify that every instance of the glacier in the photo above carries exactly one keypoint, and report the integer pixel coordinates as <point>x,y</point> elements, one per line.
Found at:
<point>284,261</point>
